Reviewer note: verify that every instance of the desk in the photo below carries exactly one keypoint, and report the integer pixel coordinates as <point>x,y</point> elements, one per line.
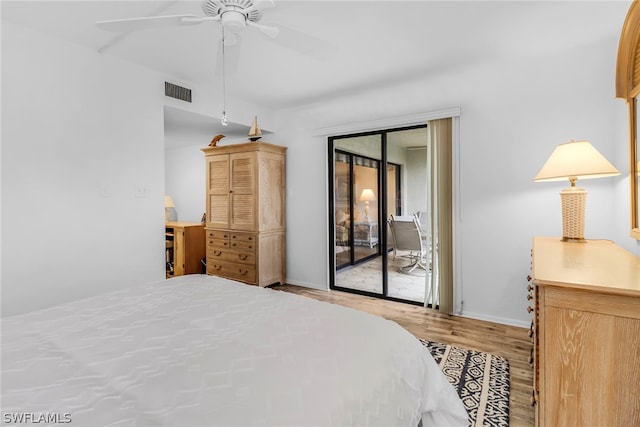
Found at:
<point>366,233</point>
<point>188,246</point>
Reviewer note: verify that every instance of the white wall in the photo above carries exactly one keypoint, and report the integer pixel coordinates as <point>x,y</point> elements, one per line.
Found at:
<point>185,180</point>
<point>82,172</point>
<point>417,180</point>
<point>513,113</point>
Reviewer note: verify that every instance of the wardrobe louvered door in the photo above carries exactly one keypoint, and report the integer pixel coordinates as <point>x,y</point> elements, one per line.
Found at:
<point>242,192</point>
<point>218,191</point>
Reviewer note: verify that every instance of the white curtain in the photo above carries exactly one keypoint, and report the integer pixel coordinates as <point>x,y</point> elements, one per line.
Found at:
<point>439,282</point>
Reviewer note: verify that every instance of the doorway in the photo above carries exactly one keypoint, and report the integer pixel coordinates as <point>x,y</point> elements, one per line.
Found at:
<point>363,257</point>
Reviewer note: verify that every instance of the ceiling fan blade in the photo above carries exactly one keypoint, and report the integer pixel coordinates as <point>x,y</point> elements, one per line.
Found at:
<point>305,43</point>
<point>149,22</point>
<point>260,5</point>
<point>267,30</point>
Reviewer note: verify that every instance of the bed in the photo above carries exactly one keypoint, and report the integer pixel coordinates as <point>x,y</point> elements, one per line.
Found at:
<point>201,350</point>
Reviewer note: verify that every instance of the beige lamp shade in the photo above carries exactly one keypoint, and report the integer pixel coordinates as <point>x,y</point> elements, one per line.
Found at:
<point>367,195</point>
<point>575,159</point>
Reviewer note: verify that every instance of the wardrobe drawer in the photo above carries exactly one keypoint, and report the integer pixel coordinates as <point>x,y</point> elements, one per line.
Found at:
<point>218,234</point>
<point>217,243</point>
<point>242,237</point>
<point>217,253</point>
<point>247,246</point>
<point>232,270</point>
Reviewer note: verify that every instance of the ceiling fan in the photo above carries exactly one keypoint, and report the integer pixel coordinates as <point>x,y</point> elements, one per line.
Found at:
<point>234,15</point>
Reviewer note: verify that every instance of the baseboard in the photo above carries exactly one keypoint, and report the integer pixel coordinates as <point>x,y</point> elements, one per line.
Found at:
<point>495,319</point>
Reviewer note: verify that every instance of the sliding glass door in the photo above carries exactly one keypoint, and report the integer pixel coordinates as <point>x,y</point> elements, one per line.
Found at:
<point>364,200</point>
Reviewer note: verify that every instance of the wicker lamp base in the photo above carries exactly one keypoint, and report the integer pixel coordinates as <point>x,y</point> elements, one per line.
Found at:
<point>574,201</point>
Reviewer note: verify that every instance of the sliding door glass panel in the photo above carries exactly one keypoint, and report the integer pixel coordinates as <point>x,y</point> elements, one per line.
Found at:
<point>342,194</point>
<point>360,213</point>
<point>408,263</point>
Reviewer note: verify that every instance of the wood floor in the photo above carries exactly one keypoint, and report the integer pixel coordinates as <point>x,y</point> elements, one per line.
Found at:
<point>509,342</point>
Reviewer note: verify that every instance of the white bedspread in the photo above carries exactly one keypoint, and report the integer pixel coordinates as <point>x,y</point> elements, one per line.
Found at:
<point>200,350</point>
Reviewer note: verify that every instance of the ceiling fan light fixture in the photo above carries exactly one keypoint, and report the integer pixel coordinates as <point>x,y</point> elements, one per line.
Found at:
<point>233,21</point>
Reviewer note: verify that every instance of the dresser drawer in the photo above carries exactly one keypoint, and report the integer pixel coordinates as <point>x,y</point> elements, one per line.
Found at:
<point>218,234</point>
<point>232,270</point>
<point>242,237</point>
<point>217,253</point>
<point>242,246</point>
<point>217,243</point>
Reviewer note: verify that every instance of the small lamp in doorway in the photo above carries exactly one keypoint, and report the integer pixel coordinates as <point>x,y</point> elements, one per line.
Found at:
<point>575,160</point>
<point>168,205</point>
<point>367,196</point>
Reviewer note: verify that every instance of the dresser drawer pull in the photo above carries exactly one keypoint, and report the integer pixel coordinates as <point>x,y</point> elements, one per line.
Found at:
<point>234,245</point>
<point>243,273</point>
<point>243,257</point>
<point>529,309</point>
<point>529,278</point>
<point>225,244</point>
<point>250,238</point>
<point>217,253</point>
<point>531,333</point>
<point>529,288</point>
<point>531,357</point>
<point>217,267</point>
<point>529,297</point>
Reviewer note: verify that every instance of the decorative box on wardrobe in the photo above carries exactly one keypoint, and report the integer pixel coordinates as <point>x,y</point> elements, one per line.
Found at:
<point>245,212</point>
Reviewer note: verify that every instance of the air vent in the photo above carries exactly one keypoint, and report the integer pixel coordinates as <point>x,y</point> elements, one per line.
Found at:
<point>177,92</point>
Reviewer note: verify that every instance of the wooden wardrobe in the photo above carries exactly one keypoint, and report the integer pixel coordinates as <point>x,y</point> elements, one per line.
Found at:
<point>245,212</point>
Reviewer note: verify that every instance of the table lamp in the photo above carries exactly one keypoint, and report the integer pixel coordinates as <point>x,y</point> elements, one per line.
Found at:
<point>367,196</point>
<point>574,160</point>
<point>168,205</point>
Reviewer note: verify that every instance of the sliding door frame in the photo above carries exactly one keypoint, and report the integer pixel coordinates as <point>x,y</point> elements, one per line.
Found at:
<point>382,210</point>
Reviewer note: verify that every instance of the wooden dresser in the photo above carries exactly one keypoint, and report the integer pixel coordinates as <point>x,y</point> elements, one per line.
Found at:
<point>586,331</point>
<point>245,212</point>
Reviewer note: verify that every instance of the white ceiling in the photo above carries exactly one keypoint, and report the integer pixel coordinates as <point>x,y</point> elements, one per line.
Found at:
<point>353,45</point>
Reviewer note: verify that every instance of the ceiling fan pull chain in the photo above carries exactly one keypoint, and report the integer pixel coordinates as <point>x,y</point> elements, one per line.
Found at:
<point>225,120</point>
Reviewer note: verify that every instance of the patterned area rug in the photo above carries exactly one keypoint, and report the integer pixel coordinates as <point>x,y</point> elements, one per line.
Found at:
<point>481,380</point>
